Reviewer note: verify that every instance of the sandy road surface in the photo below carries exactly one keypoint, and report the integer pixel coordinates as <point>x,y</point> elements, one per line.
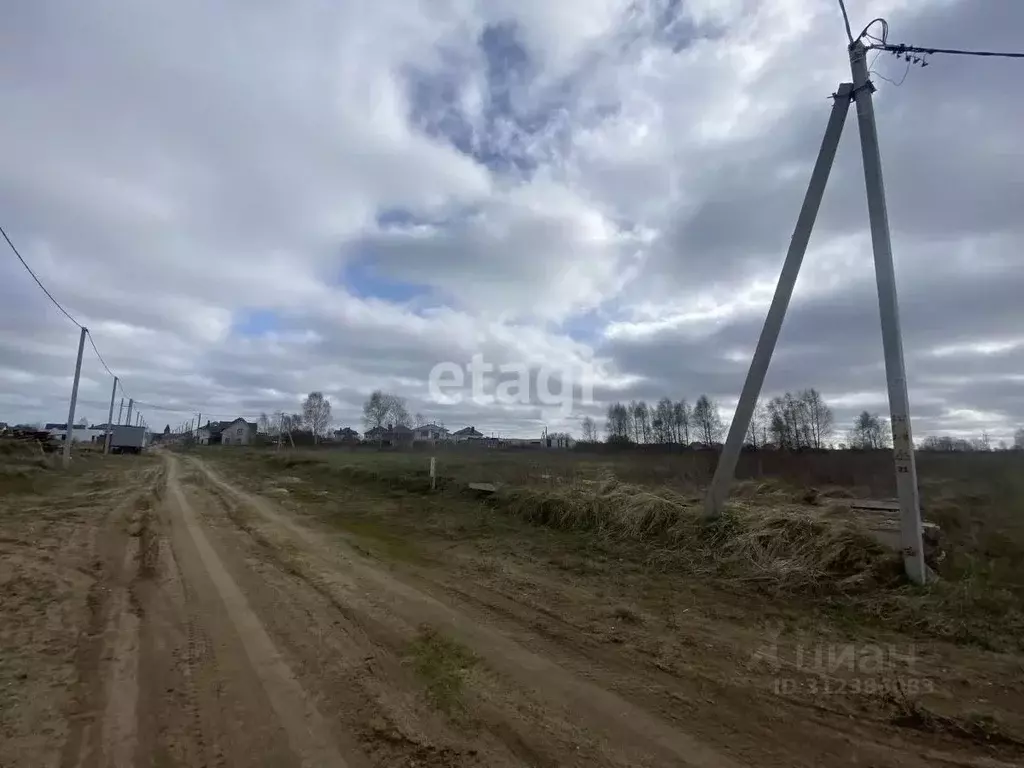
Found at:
<point>222,630</point>
<point>223,633</point>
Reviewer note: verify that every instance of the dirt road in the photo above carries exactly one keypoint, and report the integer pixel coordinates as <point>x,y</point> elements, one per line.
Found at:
<point>224,631</point>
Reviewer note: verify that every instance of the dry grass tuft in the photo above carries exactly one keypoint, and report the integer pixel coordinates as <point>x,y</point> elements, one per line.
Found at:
<point>778,547</point>
<point>22,467</point>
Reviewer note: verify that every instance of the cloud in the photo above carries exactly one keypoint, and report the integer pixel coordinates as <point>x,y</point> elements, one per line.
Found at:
<point>245,202</point>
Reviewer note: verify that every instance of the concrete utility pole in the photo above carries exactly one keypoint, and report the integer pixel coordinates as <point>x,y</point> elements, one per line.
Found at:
<point>110,418</point>
<point>726,469</point>
<point>128,416</point>
<point>888,308</point>
<point>69,432</point>
<point>899,402</point>
<point>119,409</point>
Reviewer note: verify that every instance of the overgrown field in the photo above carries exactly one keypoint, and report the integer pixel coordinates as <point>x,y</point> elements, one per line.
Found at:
<point>791,540</point>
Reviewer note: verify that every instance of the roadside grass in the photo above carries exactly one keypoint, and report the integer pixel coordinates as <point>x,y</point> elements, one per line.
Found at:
<point>381,540</point>
<point>443,665</point>
<point>23,467</point>
<point>772,540</point>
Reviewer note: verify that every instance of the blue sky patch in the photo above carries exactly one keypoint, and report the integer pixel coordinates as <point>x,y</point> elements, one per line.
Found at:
<point>585,328</point>
<point>256,322</point>
<point>364,280</point>
<point>502,139</point>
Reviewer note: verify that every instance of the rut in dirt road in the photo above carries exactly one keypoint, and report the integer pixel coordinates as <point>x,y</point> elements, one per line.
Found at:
<point>103,726</point>
<point>174,668</point>
<point>522,698</point>
<point>307,732</point>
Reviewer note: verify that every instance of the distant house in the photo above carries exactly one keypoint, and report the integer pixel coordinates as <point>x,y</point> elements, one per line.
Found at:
<point>554,440</point>
<point>467,433</point>
<point>3,427</point>
<point>394,436</point>
<point>346,435</point>
<point>430,433</point>
<point>237,432</point>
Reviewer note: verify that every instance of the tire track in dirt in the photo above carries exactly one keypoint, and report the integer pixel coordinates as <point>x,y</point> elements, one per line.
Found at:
<point>624,733</point>
<point>358,670</point>
<point>306,731</point>
<point>103,724</point>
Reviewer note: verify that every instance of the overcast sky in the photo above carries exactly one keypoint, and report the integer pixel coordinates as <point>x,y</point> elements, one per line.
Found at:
<point>245,201</point>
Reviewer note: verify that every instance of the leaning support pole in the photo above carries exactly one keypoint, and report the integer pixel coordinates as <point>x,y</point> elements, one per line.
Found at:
<point>726,469</point>
<point>69,433</point>
<point>110,417</point>
<point>892,339</point>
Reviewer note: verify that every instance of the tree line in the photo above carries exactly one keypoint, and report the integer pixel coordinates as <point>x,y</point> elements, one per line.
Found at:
<point>666,421</point>
<point>789,421</point>
<point>315,417</point>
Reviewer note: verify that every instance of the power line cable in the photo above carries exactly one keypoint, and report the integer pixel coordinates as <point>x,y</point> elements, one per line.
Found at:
<point>885,31</point>
<point>67,314</point>
<point>893,82</point>
<point>900,49</point>
<point>88,333</point>
<point>102,361</point>
<point>38,281</point>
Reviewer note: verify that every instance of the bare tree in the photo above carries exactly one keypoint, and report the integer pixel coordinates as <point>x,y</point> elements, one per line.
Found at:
<point>619,426</point>
<point>1018,439</point>
<point>661,422</point>
<point>589,428</point>
<point>707,421</point>
<point>819,418</point>
<point>400,412</point>
<point>382,410</point>
<point>641,422</point>
<point>800,421</point>
<point>868,432</point>
<point>263,424</point>
<point>293,422</point>
<point>276,423</point>
<point>757,430</point>
<point>682,418</point>
<point>418,420</point>
<point>316,413</point>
